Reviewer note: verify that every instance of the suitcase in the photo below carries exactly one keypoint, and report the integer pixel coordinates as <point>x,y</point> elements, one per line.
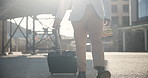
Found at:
<point>61,61</point>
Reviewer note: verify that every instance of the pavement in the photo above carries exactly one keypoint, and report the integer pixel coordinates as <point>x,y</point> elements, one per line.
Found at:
<point>120,64</point>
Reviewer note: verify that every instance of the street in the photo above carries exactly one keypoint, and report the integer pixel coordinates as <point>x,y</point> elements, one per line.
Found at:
<point>120,64</point>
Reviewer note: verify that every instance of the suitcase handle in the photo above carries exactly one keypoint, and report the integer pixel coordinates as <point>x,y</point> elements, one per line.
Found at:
<point>56,32</point>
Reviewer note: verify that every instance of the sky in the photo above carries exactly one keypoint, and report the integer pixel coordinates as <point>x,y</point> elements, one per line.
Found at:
<point>66,27</point>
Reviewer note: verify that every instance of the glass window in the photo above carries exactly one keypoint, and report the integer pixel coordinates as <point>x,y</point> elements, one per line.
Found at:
<point>125,20</point>
<point>115,20</point>
<point>114,0</point>
<point>126,8</point>
<point>142,8</point>
<point>114,9</point>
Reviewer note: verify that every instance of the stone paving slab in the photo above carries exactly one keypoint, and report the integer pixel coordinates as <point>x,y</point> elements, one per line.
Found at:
<point>121,65</point>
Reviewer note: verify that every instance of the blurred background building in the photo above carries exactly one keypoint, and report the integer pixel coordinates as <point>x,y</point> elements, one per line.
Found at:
<point>133,37</point>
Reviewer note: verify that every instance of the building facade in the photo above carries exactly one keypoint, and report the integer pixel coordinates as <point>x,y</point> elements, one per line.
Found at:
<point>135,36</point>
<point>120,13</point>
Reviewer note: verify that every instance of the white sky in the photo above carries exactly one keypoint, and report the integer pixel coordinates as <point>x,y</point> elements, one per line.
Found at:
<point>66,27</point>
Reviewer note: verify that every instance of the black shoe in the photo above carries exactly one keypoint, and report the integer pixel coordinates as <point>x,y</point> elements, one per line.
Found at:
<point>102,73</point>
<point>81,74</point>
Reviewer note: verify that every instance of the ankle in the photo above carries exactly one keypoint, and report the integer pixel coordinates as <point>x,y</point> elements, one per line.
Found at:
<point>99,68</point>
<point>82,74</point>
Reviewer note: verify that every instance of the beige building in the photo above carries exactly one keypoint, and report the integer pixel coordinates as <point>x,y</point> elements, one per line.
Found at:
<point>120,13</point>
<point>120,18</point>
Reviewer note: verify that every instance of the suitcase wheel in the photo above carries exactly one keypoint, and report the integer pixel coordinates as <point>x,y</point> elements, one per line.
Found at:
<point>51,73</point>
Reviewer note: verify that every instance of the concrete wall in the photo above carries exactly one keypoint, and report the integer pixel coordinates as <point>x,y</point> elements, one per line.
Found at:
<point>1,31</point>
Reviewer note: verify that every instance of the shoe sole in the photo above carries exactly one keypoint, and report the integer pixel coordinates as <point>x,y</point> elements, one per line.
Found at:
<point>105,74</point>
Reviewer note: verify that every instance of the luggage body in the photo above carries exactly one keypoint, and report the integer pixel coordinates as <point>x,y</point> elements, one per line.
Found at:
<point>62,63</point>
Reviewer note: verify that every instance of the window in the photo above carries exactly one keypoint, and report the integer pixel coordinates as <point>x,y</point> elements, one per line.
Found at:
<point>126,8</point>
<point>114,9</point>
<point>143,8</point>
<point>115,20</point>
<point>125,20</point>
<point>114,0</point>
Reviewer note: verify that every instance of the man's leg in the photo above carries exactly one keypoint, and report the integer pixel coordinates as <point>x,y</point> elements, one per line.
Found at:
<point>95,30</point>
<point>80,35</point>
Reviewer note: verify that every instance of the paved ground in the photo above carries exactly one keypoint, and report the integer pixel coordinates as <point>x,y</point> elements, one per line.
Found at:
<point>121,65</point>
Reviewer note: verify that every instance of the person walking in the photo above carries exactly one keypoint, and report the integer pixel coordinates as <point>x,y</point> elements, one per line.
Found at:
<point>88,18</point>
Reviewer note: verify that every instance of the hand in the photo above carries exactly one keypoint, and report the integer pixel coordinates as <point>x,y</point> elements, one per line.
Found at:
<point>106,21</point>
<point>56,23</point>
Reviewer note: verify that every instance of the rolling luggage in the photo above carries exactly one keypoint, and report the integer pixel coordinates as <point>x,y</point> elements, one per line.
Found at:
<point>61,61</point>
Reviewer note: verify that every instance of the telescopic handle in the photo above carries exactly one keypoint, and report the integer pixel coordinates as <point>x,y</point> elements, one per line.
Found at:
<point>56,32</point>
